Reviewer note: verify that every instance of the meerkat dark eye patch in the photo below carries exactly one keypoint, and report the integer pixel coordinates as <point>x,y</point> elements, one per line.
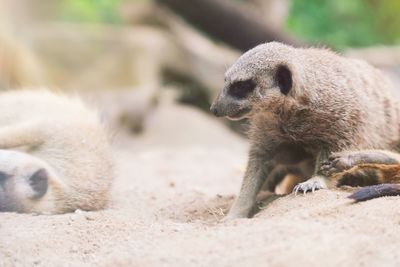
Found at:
<point>3,178</point>
<point>39,183</point>
<point>284,79</point>
<point>241,89</point>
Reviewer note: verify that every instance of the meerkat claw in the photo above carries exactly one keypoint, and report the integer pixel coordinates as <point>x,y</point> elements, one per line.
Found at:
<point>329,167</point>
<point>308,186</point>
<point>296,190</point>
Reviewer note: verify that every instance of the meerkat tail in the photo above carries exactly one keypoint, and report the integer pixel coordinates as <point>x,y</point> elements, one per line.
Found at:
<point>375,191</point>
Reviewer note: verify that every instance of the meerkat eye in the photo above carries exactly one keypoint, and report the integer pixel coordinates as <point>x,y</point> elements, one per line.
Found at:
<point>242,89</point>
<point>284,79</point>
<point>39,183</point>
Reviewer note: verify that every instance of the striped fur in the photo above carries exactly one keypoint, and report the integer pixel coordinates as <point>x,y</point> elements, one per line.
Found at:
<point>380,180</point>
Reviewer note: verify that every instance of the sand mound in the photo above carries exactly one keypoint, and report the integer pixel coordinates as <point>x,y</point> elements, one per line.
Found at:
<point>167,200</point>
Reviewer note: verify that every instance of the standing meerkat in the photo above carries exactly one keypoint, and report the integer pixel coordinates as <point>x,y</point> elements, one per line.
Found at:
<point>54,154</point>
<point>305,104</point>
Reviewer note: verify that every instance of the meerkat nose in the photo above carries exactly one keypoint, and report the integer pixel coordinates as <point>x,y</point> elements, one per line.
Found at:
<point>214,110</point>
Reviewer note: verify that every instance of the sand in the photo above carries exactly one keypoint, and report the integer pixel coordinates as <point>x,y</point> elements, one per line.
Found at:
<point>173,185</point>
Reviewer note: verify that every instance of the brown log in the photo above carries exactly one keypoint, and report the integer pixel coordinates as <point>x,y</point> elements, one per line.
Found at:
<point>230,22</point>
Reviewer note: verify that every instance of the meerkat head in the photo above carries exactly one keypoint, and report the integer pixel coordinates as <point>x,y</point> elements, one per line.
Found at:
<point>262,73</point>
<point>24,183</point>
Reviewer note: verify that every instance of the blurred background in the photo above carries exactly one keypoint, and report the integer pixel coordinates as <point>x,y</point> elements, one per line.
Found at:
<point>130,57</point>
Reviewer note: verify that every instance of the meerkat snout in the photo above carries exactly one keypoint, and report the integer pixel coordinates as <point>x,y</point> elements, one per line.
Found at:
<point>24,181</point>
<point>233,101</point>
<point>16,189</point>
<point>214,110</point>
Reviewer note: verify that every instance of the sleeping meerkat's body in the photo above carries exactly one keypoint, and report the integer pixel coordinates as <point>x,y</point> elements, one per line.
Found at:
<point>54,154</point>
<point>304,104</point>
<point>377,170</point>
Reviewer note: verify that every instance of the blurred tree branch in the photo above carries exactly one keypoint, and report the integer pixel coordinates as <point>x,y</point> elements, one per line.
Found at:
<point>230,22</point>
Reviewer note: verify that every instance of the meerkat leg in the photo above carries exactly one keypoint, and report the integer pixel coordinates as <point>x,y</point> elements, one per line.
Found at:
<point>283,179</point>
<point>318,180</point>
<point>288,183</point>
<point>257,169</point>
<point>341,161</point>
<point>276,175</point>
<point>25,134</point>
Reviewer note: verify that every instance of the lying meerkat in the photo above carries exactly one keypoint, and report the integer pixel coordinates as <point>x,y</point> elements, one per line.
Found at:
<point>54,154</point>
<point>378,171</point>
<point>304,104</point>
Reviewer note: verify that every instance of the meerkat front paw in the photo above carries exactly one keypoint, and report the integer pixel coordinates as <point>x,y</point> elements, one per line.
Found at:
<point>337,162</point>
<point>238,212</point>
<point>315,183</point>
<point>230,217</point>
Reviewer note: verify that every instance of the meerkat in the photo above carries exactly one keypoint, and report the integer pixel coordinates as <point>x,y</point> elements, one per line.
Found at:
<point>54,154</point>
<point>377,170</point>
<point>304,104</point>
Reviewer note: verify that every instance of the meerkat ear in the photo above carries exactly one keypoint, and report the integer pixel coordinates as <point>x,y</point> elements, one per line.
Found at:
<point>284,79</point>
<point>39,183</point>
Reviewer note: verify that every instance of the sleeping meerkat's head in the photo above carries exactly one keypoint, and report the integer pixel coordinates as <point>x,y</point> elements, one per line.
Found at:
<point>26,183</point>
<point>262,73</point>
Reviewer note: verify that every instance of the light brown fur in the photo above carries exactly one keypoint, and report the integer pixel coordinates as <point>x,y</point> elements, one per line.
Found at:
<point>59,135</point>
<point>312,101</point>
<point>368,174</point>
<point>378,170</point>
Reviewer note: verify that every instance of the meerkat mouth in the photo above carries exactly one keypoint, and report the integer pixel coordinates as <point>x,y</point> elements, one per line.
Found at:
<point>241,114</point>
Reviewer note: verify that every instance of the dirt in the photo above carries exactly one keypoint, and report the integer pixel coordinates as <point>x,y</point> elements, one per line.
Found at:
<point>173,185</point>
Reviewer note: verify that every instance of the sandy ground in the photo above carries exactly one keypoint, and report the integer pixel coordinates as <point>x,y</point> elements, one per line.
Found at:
<point>173,186</point>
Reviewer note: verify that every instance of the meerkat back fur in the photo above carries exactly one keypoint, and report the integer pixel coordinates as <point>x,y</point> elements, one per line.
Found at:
<point>305,102</point>
<point>54,154</point>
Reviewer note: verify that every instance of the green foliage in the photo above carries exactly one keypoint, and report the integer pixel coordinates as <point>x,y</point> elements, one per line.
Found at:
<point>343,23</point>
<point>91,10</point>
